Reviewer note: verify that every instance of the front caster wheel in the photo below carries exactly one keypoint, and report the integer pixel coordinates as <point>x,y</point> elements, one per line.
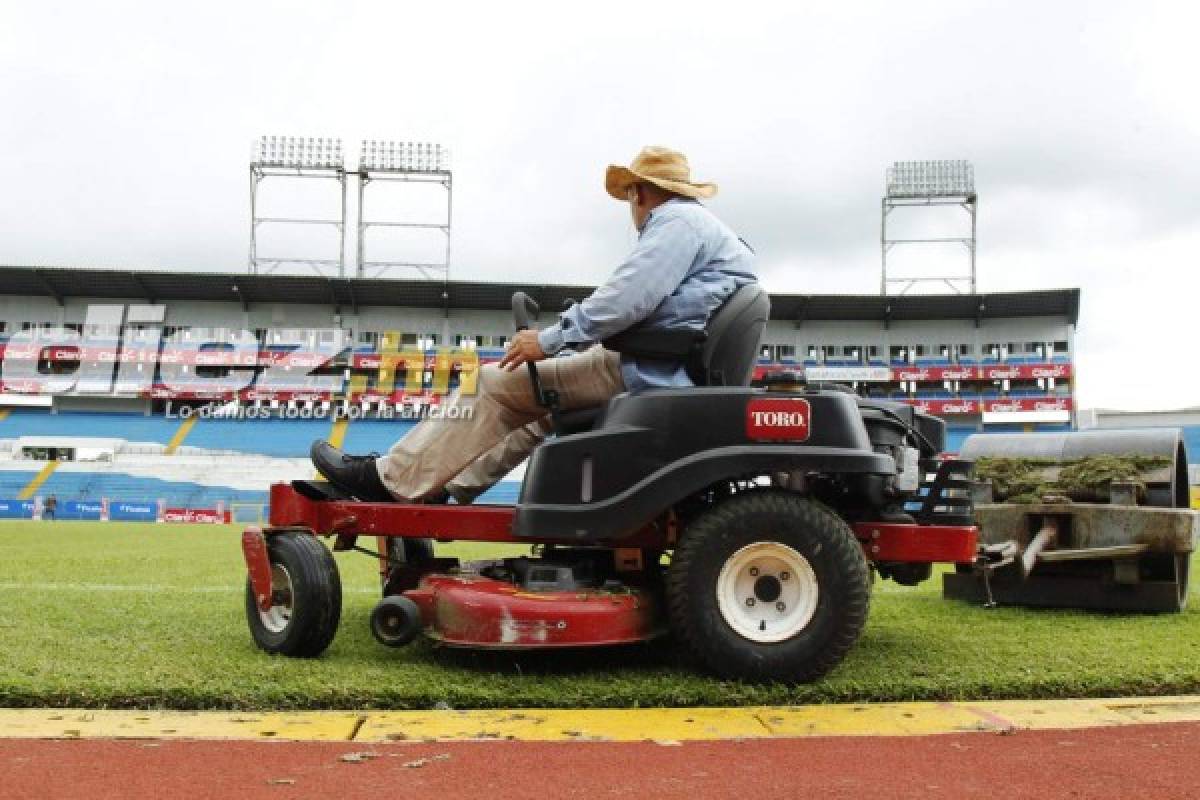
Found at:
<point>768,586</point>
<point>306,594</point>
<point>395,621</point>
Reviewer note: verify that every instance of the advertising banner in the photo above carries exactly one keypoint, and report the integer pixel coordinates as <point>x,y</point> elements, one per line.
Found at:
<point>948,406</point>
<point>843,374</point>
<point>133,512</point>
<point>992,372</point>
<point>203,515</point>
<point>878,374</point>
<point>16,509</point>
<point>79,509</point>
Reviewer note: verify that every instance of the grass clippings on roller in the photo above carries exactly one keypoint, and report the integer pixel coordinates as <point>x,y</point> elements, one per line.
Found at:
<point>144,615</point>
<point>1088,479</point>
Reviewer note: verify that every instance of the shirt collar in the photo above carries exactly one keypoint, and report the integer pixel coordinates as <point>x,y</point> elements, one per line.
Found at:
<point>672,201</point>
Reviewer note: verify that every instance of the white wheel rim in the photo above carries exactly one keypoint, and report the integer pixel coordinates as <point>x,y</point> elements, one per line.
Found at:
<point>277,618</point>
<point>767,592</point>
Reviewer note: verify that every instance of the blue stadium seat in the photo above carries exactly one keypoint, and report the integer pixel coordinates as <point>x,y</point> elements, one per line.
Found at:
<point>282,438</point>
<point>120,487</point>
<point>13,481</point>
<point>374,436</point>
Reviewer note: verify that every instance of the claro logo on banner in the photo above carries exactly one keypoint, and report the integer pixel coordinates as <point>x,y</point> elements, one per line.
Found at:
<point>778,419</point>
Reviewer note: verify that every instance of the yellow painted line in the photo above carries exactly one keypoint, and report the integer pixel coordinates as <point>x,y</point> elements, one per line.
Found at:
<point>43,723</point>
<point>337,431</point>
<point>610,725</point>
<point>181,433</point>
<point>38,480</point>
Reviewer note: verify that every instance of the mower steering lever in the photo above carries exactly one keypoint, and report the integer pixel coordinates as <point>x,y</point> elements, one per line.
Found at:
<point>525,309</point>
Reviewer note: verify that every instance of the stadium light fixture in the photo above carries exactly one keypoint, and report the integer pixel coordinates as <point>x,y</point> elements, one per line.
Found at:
<point>297,157</point>
<point>923,184</point>
<point>298,152</point>
<point>385,156</point>
<point>931,179</point>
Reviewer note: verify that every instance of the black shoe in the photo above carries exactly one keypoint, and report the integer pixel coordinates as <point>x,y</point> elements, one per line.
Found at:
<point>354,474</point>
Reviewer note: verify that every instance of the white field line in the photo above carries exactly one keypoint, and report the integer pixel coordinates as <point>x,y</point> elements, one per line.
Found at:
<point>142,588</point>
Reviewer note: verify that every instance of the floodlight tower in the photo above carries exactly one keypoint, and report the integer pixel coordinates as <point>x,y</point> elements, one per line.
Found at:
<point>297,157</point>
<point>412,163</point>
<point>923,184</point>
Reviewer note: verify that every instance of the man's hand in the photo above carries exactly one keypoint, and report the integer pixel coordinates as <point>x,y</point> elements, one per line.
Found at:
<point>523,348</point>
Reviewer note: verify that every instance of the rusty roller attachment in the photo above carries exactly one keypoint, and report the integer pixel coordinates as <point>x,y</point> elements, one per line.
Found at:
<point>1095,519</point>
<point>1166,485</point>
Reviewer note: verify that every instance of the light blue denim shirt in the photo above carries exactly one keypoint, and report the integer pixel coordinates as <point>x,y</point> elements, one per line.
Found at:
<point>686,263</point>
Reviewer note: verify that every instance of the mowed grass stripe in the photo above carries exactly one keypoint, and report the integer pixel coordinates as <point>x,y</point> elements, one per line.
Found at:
<point>169,632</point>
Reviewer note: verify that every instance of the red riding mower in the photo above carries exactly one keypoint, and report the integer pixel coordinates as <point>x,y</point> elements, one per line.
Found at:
<point>743,521</point>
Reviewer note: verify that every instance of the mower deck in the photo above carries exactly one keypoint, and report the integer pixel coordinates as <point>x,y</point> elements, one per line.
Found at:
<point>474,611</point>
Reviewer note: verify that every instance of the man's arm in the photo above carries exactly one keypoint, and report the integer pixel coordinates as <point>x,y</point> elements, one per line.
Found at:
<point>655,268</point>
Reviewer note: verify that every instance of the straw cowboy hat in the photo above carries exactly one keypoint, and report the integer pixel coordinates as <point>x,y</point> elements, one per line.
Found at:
<point>662,166</point>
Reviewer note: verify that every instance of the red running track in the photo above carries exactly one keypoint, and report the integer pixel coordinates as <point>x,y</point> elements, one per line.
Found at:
<point>1148,761</point>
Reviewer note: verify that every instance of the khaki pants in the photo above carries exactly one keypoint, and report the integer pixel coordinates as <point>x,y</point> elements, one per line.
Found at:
<point>502,427</point>
<point>487,470</point>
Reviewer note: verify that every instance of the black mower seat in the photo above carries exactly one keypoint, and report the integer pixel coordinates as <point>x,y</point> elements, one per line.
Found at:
<point>722,355</point>
<point>577,421</point>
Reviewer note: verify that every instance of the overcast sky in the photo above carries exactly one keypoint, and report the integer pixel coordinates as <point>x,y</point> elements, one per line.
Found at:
<point>126,132</point>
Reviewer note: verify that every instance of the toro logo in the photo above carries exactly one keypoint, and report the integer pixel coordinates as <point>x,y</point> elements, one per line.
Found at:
<point>782,419</point>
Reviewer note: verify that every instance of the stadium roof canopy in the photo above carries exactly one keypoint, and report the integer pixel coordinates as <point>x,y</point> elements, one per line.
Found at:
<point>62,283</point>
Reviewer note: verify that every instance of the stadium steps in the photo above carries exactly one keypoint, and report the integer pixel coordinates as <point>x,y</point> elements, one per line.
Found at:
<point>38,480</point>
<point>180,434</point>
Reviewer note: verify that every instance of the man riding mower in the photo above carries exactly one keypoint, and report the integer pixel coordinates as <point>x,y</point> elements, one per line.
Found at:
<point>673,497</point>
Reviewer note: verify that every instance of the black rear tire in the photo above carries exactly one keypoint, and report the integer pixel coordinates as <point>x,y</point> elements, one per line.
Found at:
<point>756,550</point>
<point>406,557</point>
<point>308,591</point>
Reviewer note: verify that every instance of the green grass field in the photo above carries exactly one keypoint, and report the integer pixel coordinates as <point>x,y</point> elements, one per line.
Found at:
<point>125,615</point>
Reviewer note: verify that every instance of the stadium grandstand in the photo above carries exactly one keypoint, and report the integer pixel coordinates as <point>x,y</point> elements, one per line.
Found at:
<point>169,395</point>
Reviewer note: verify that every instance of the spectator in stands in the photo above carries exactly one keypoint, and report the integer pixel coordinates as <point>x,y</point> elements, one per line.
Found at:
<point>49,507</point>
<point>685,264</point>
